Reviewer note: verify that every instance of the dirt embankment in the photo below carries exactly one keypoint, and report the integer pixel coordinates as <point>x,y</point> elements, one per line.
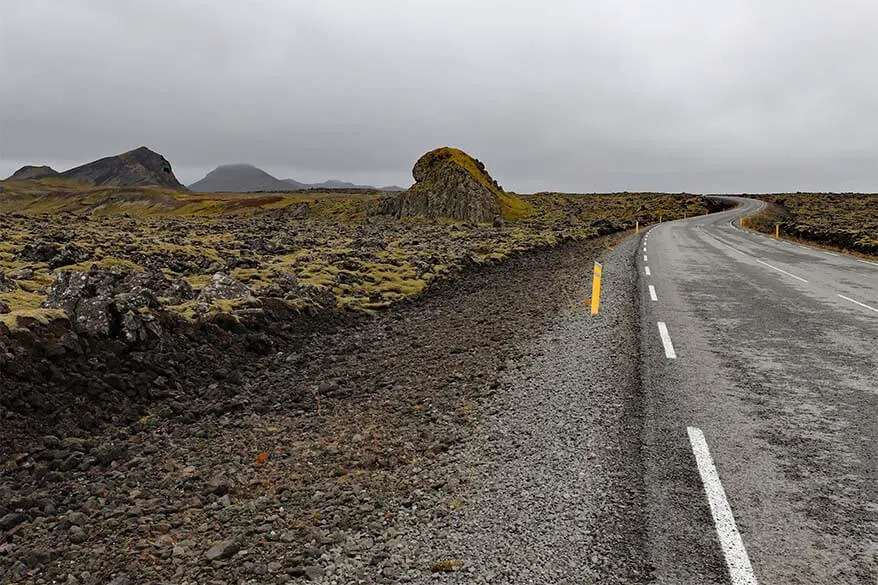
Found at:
<point>297,458</point>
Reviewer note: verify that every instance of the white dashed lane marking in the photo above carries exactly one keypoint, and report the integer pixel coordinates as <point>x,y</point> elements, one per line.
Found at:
<point>646,270</point>
<point>740,569</point>
<point>652,295</point>
<point>780,270</point>
<point>666,341</point>
<point>864,305</point>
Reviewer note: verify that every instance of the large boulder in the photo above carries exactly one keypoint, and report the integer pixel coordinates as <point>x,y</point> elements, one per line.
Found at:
<point>103,303</point>
<point>450,183</point>
<point>224,287</point>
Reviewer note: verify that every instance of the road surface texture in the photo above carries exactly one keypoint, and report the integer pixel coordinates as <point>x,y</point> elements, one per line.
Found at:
<point>777,364</point>
<point>735,444</point>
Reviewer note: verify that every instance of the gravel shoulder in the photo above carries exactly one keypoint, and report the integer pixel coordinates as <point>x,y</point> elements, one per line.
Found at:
<point>349,459</point>
<point>555,478</point>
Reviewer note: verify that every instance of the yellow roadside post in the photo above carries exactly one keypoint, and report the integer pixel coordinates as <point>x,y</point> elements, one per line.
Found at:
<point>596,289</point>
<point>660,216</point>
<point>776,231</point>
<point>637,226</point>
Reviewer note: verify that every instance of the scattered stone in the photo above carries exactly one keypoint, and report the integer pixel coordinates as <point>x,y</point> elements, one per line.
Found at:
<point>222,550</point>
<point>7,284</point>
<point>77,535</point>
<point>314,572</point>
<point>11,520</point>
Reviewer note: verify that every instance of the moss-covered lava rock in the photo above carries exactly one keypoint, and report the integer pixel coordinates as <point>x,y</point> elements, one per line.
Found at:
<point>450,183</point>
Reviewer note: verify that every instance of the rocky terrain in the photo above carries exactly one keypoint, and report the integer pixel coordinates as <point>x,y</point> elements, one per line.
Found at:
<point>263,388</point>
<point>844,221</point>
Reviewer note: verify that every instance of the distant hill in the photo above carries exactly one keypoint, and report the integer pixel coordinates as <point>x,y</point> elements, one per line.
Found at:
<point>29,172</point>
<point>140,167</point>
<point>244,178</point>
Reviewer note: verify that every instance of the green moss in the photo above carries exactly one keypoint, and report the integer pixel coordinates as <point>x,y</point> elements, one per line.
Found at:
<point>43,316</point>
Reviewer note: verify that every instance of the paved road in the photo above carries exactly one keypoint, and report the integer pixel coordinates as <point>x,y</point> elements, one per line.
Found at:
<point>776,364</point>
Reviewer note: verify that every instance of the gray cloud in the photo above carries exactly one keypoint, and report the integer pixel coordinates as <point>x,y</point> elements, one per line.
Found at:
<point>753,95</point>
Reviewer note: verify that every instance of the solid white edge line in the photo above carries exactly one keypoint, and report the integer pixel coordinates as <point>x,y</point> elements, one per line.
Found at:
<point>864,305</point>
<point>652,295</point>
<point>666,341</point>
<point>646,270</point>
<point>740,569</point>
<point>779,270</point>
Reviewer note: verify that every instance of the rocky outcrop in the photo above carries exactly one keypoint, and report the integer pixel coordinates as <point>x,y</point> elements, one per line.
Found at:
<point>139,167</point>
<point>30,172</point>
<point>112,304</point>
<point>450,183</point>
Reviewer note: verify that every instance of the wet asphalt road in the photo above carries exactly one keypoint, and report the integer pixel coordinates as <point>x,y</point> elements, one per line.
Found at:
<point>777,363</point>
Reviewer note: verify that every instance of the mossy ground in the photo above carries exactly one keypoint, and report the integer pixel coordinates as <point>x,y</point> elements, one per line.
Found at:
<point>366,262</point>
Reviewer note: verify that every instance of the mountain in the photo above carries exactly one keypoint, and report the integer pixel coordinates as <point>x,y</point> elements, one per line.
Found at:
<point>294,184</point>
<point>29,172</point>
<point>238,178</point>
<point>244,178</point>
<point>139,167</point>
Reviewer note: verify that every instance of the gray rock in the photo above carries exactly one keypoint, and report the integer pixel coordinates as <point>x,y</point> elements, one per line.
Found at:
<point>7,284</point>
<point>77,518</point>
<point>223,286</point>
<point>11,520</point>
<point>21,274</point>
<point>77,535</point>
<point>222,550</point>
<point>314,572</point>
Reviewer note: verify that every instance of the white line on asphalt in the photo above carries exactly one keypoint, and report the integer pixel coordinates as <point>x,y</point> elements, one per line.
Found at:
<point>740,569</point>
<point>830,253</point>
<point>646,269</point>
<point>666,341</point>
<point>859,303</point>
<point>644,258</point>
<point>779,270</point>
<point>652,293</point>
<point>866,262</point>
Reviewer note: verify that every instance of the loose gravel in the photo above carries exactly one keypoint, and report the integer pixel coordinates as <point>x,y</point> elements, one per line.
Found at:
<point>555,490</point>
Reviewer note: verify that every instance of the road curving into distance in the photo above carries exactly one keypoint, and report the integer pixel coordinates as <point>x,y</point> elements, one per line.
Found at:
<point>759,364</point>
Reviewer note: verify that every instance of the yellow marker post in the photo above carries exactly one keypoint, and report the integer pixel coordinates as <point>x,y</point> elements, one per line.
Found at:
<point>660,216</point>
<point>776,231</point>
<point>637,226</point>
<point>596,289</point>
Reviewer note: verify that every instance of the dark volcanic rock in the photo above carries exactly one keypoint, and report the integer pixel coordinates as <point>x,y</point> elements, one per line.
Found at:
<point>139,167</point>
<point>29,172</point>
<point>449,183</point>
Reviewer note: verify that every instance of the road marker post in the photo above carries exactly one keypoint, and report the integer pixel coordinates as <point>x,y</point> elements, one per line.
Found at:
<point>660,216</point>
<point>596,288</point>
<point>776,231</point>
<point>637,226</point>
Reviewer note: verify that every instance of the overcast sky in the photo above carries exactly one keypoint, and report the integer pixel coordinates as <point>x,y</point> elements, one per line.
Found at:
<point>669,95</point>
